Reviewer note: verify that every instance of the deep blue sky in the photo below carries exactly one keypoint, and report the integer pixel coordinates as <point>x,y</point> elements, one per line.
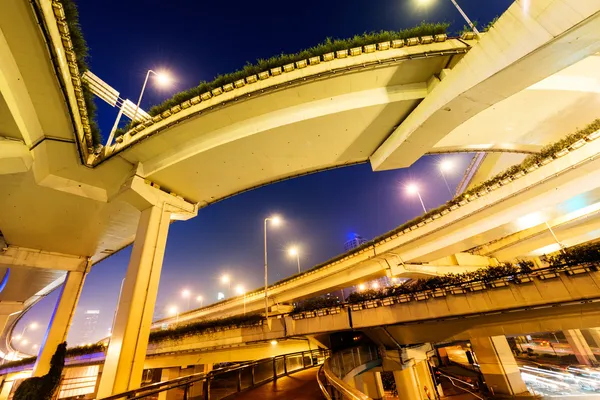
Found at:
<point>196,41</point>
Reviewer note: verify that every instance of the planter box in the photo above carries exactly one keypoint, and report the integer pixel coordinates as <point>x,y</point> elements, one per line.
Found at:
<point>328,56</point>
<point>341,53</point>
<point>436,216</point>
<point>403,298</point>
<point>263,75</point>
<point>228,87</point>
<point>519,174</point>
<point>148,122</point>
<point>276,71</point>
<point>218,91</point>
<point>370,48</point>
<point>397,43</point>
<point>494,187</point>
<point>157,118</point>
<point>593,135</point>
<point>420,296</point>
<point>388,301</point>
<point>547,160</point>
<point>428,220</point>
<point>561,153</point>
<point>441,37</point>
<point>420,224</point>
<point>591,268</point>
<point>239,83</point>
<point>468,36</point>
<point>251,79</point>
<point>314,60</point>
<point>523,279</point>
<point>499,283</point>
<point>356,51</point>
<point>438,293</point>
<point>195,100</point>
<point>476,287</point>
<point>356,307</point>
<point>505,181</point>
<point>412,41</point>
<point>445,211</point>
<point>166,114</point>
<point>119,139</point>
<point>457,290</point>
<point>383,46</point>
<point>577,144</point>
<point>548,275</point>
<point>301,64</point>
<point>576,270</point>
<point>454,207</point>
<point>533,168</point>
<point>427,39</point>
<point>205,96</point>
<point>288,67</point>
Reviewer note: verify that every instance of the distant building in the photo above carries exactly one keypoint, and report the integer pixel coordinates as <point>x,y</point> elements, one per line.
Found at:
<point>354,242</point>
<point>89,325</point>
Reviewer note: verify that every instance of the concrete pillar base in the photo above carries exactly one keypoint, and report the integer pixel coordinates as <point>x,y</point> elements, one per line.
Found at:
<point>370,384</point>
<point>580,347</point>
<point>498,365</point>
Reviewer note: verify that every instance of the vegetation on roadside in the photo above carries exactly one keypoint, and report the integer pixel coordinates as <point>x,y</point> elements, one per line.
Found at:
<point>261,65</point>
<point>82,54</point>
<point>72,352</point>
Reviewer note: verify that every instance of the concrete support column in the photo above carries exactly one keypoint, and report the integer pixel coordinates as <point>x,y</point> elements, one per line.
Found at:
<point>580,347</point>
<point>595,334</point>
<point>415,382</point>
<point>127,350</point>
<point>370,384</point>
<point>498,365</point>
<point>166,375</point>
<point>61,319</point>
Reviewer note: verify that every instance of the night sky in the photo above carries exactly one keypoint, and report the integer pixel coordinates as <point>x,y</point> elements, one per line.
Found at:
<point>196,41</point>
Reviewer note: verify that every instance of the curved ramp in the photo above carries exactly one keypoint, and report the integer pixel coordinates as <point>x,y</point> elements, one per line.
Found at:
<point>301,385</point>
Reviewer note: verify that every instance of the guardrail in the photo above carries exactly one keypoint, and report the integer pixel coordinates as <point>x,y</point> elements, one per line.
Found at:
<point>335,368</point>
<point>474,286</point>
<point>225,382</point>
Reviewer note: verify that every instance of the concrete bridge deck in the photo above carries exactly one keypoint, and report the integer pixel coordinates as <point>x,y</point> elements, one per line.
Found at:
<point>299,386</point>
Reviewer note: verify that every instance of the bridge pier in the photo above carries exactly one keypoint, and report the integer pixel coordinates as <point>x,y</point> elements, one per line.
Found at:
<point>61,319</point>
<point>580,347</point>
<point>369,382</point>
<point>498,366</point>
<point>128,344</point>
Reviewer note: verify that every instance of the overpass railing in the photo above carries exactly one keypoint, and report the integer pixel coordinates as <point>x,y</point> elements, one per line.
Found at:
<point>335,368</point>
<point>225,382</point>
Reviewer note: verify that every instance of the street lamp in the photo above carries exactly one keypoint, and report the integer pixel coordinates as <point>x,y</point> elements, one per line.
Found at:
<point>185,293</point>
<point>239,289</point>
<point>226,281</point>
<point>414,189</point>
<point>426,2</point>
<point>275,221</point>
<point>173,311</point>
<point>446,166</point>
<point>361,287</point>
<point>200,300</point>
<point>162,78</point>
<point>293,251</point>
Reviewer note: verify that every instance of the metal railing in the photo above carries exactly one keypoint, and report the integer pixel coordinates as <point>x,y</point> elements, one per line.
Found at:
<point>335,368</point>
<point>225,382</point>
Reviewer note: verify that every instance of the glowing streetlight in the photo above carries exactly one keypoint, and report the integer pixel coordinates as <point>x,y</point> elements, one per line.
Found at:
<point>273,342</point>
<point>446,166</point>
<point>24,342</point>
<point>293,251</point>
<point>414,189</point>
<point>173,311</point>
<point>362,287</point>
<point>162,78</point>
<point>275,221</point>
<point>426,2</point>
<point>34,347</point>
<point>239,289</point>
<point>375,285</point>
<point>186,294</point>
<point>200,300</point>
<point>226,281</point>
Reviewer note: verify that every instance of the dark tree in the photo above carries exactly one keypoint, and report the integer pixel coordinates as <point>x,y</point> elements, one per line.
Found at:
<point>43,387</point>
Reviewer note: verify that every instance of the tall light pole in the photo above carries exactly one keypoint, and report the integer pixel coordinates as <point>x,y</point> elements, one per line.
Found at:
<point>293,251</point>
<point>460,10</point>
<point>162,78</point>
<point>446,166</point>
<point>275,220</point>
<point>414,189</point>
<point>239,289</point>
<point>186,294</point>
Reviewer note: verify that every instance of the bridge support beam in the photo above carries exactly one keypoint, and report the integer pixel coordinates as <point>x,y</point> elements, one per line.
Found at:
<point>369,382</point>
<point>127,349</point>
<point>595,334</point>
<point>61,319</point>
<point>415,382</point>
<point>580,347</point>
<point>498,366</point>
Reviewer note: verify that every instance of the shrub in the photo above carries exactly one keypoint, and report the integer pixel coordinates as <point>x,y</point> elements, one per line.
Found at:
<point>82,54</point>
<point>316,303</point>
<point>327,46</point>
<point>200,327</point>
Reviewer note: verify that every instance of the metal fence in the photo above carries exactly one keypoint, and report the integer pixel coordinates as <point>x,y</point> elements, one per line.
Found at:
<point>225,382</point>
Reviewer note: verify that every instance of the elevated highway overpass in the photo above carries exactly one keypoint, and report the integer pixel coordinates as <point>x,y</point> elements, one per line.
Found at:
<point>63,199</point>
